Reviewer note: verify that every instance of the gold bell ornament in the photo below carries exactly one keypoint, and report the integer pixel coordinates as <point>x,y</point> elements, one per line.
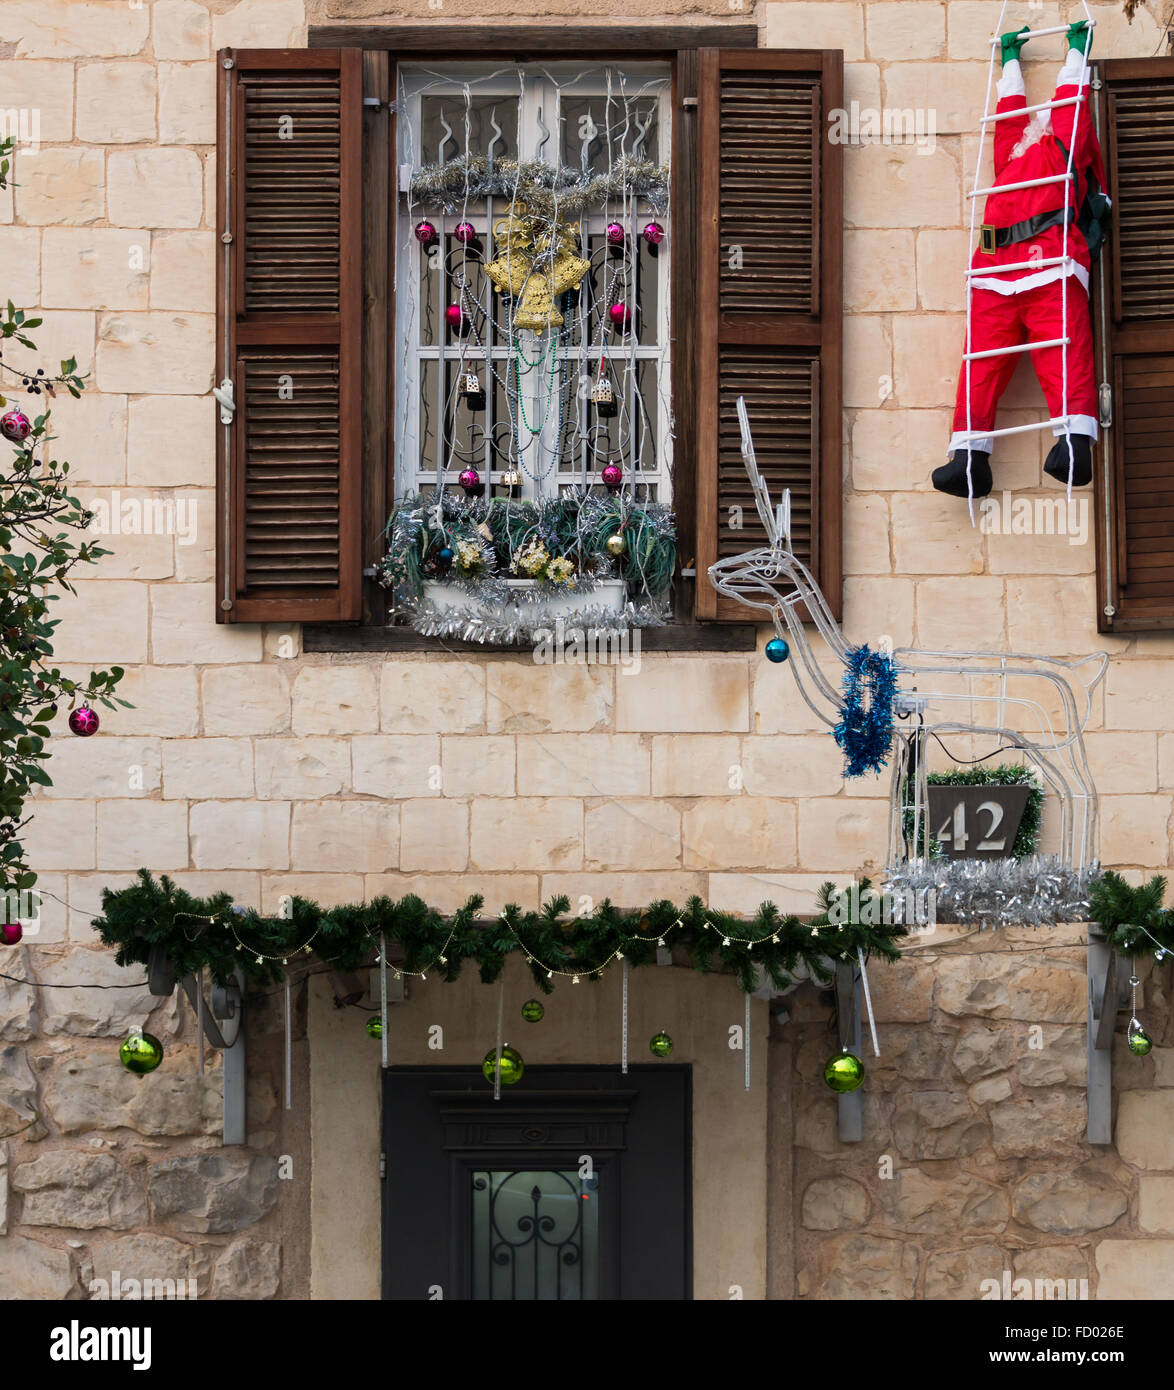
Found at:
<point>515,251</point>
<point>563,270</point>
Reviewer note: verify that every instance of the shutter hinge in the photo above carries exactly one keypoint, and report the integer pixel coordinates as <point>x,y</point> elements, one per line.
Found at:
<point>383,1165</point>
<point>369,571</point>
<point>688,101</point>
<point>1105,406</point>
<point>392,106</point>
<point>225,395</point>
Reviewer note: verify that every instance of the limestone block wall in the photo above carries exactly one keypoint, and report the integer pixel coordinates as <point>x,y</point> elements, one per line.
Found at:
<point>248,766</point>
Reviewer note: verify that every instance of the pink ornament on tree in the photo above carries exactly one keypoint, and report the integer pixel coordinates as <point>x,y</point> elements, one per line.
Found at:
<point>83,722</point>
<point>425,232</point>
<point>10,933</point>
<point>616,236</point>
<point>612,476</point>
<point>456,318</point>
<point>16,426</point>
<point>653,233</point>
<point>470,480</point>
<point>618,313</point>
<point>465,232</point>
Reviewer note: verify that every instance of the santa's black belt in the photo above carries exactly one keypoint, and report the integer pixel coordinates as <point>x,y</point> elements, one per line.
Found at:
<point>995,238</point>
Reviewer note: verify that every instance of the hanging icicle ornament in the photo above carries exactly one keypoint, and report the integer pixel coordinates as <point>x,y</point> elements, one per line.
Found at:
<point>425,233</point>
<point>844,1072</point>
<point>653,233</point>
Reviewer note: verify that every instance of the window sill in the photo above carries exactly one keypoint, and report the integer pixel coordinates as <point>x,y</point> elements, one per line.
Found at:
<point>674,637</point>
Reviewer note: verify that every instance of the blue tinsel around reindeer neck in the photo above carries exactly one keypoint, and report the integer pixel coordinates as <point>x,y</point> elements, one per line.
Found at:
<point>865,730</point>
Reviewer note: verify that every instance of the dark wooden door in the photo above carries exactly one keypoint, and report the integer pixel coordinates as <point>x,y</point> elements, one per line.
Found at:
<point>574,1186</point>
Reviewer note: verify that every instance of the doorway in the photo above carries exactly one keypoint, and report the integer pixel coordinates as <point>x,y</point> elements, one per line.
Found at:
<point>575,1186</point>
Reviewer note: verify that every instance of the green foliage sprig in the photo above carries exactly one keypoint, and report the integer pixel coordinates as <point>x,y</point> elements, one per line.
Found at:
<point>37,555</point>
<point>209,933</point>
<point>1004,775</point>
<point>1133,920</point>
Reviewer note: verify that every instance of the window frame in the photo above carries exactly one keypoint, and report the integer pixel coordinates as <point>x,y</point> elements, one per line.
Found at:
<point>382,46</point>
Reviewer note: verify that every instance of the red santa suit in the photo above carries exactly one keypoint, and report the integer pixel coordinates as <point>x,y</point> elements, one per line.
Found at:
<point>1024,224</point>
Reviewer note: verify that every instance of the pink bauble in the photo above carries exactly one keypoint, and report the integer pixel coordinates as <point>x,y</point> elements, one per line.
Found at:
<point>465,232</point>
<point>83,722</point>
<point>425,232</point>
<point>612,476</point>
<point>470,480</point>
<point>456,318</point>
<point>653,233</point>
<point>15,426</point>
<point>618,313</point>
<point>616,236</point>
<point>10,933</point>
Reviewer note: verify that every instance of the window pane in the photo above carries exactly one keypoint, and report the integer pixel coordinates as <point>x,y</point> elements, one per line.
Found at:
<point>439,111</point>
<point>535,1236</point>
<point>598,131</point>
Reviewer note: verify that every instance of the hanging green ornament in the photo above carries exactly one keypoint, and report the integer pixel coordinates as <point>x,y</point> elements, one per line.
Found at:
<point>512,1065</point>
<point>141,1053</point>
<point>844,1072</point>
<point>1138,1040</point>
<point>532,1011</point>
<point>375,1026</point>
<point>661,1044</point>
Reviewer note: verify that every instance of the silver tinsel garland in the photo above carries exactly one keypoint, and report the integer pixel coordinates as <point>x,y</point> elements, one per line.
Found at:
<point>541,187</point>
<point>1040,891</point>
<point>511,624</point>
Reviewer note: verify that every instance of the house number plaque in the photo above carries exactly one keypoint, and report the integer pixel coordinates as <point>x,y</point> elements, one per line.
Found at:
<point>976,822</point>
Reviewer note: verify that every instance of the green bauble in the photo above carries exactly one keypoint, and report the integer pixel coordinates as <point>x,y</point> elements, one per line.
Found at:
<point>375,1026</point>
<point>844,1072</point>
<point>661,1044</point>
<point>532,1011</point>
<point>141,1053</point>
<point>512,1065</point>
<point>1139,1042</point>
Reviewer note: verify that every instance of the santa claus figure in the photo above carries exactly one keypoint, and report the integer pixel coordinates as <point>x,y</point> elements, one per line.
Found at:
<point>1021,227</point>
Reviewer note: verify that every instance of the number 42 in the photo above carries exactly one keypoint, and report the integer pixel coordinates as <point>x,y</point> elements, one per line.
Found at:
<point>953,830</point>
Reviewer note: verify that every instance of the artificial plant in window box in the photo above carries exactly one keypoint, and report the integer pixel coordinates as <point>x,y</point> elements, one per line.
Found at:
<point>499,570</point>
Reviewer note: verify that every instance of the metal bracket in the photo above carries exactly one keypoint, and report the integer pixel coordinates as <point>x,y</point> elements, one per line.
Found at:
<point>225,395</point>
<point>224,1027</point>
<point>1108,992</point>
<point>848,996</point>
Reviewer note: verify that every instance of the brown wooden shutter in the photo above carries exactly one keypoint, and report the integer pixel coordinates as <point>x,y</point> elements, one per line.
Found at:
<point>769,305</point>
<point>1133,307</point>
<point>289,339</point>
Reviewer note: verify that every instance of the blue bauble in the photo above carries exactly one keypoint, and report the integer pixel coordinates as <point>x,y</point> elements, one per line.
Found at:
<point>445,555</point>
<point>777,650</point>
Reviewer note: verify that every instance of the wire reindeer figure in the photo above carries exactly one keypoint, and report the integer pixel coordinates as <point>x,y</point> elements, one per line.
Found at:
<point>1038,706</point>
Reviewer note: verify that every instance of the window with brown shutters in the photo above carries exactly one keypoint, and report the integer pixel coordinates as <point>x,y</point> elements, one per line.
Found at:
<point>289,369</point>
<point>1134,313</point>
<point>769,305</point>
<point>306,356</point>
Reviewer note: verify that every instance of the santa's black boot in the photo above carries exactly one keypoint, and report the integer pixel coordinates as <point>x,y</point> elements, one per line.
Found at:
<point>1056,463</point>
<point>951,477</point>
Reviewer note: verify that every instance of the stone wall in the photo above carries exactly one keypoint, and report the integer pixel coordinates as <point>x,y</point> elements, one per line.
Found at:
<point>247,766</point>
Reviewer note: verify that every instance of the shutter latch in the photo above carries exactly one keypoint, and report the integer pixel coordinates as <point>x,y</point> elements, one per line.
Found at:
<point>225,395</point>
<point>1105,406</point>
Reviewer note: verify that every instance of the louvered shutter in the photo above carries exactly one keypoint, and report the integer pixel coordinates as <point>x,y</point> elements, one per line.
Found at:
<point>1136,303</point>
<point>769,305</point>
<point>289,341</point>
